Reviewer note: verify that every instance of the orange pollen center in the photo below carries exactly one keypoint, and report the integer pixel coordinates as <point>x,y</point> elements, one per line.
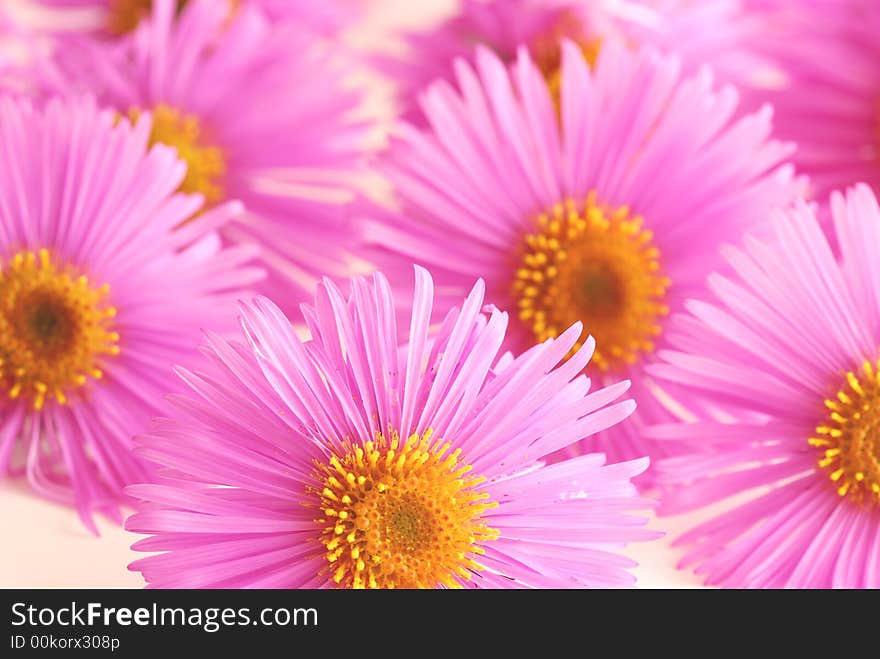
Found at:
<point>597,266</point>
<point>205,162</point>
<point>55,328</point>
<point>401,514</point>
<point>125,15</point>
<point>849,436</point>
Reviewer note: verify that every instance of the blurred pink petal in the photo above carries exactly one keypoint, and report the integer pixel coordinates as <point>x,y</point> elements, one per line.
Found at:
<point>100,295</point>
<point>274,125</point>
<point>728,36</point>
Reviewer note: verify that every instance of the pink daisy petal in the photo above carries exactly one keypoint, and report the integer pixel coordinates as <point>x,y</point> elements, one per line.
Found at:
<point>258,109</point>
<point>425,462</point>
<point>99,296</point>
<point>795,337</point>
<point>609,211</point>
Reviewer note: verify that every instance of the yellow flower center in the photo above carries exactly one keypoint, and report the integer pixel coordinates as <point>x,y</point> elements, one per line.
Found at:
<point>598,266</point>
<point>849,437</point>
<point>401,514</point>
<point>125,15</point>
<point>55,327</point>
<point>206,163</point>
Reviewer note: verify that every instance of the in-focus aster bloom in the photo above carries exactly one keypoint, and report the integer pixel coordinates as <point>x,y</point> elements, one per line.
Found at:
<point>257,111</point>
<point>99,295</point>
<point>607,209</point>
<point>790,349</point>
<point>830,100</point>
<point>343,461</point>
<point>728,35</point>
<point>117,17</point>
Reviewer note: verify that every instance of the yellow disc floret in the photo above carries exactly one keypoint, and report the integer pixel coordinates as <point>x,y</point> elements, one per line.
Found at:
<point>595,265</point>
<point>205,162</point>
<point>849,436</point>
<point>55,329</point>
<point>400,514</point>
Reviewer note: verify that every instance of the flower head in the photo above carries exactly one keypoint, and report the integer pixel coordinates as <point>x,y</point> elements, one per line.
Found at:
<point>738,31</point>
<point>789,349</point>
<point>606,209</point>
<point>344,461</point>
<point>99,294</point>
<point>229,95</point>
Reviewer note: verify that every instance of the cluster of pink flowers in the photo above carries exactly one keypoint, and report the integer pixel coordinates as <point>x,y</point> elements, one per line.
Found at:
<point>611,257</point>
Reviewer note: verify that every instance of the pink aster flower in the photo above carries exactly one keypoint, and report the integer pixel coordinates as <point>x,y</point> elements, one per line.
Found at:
<point>256,110</point>
<point>117,17</point>
<point>99,295</point>
<point>829,103</point>
<point>789,347</point>
<point>728,35</point>
<point>343,461</point>
<point>605,209</point>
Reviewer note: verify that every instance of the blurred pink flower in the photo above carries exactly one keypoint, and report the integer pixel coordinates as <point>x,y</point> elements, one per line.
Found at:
<point>829,102</point>
<point>727,35</point>
<point>343,461</point>
<point>604,206</point>
<point>99,295</point>
<point>256,109</point>
<point>790,349</point>
<point>115,17</point>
